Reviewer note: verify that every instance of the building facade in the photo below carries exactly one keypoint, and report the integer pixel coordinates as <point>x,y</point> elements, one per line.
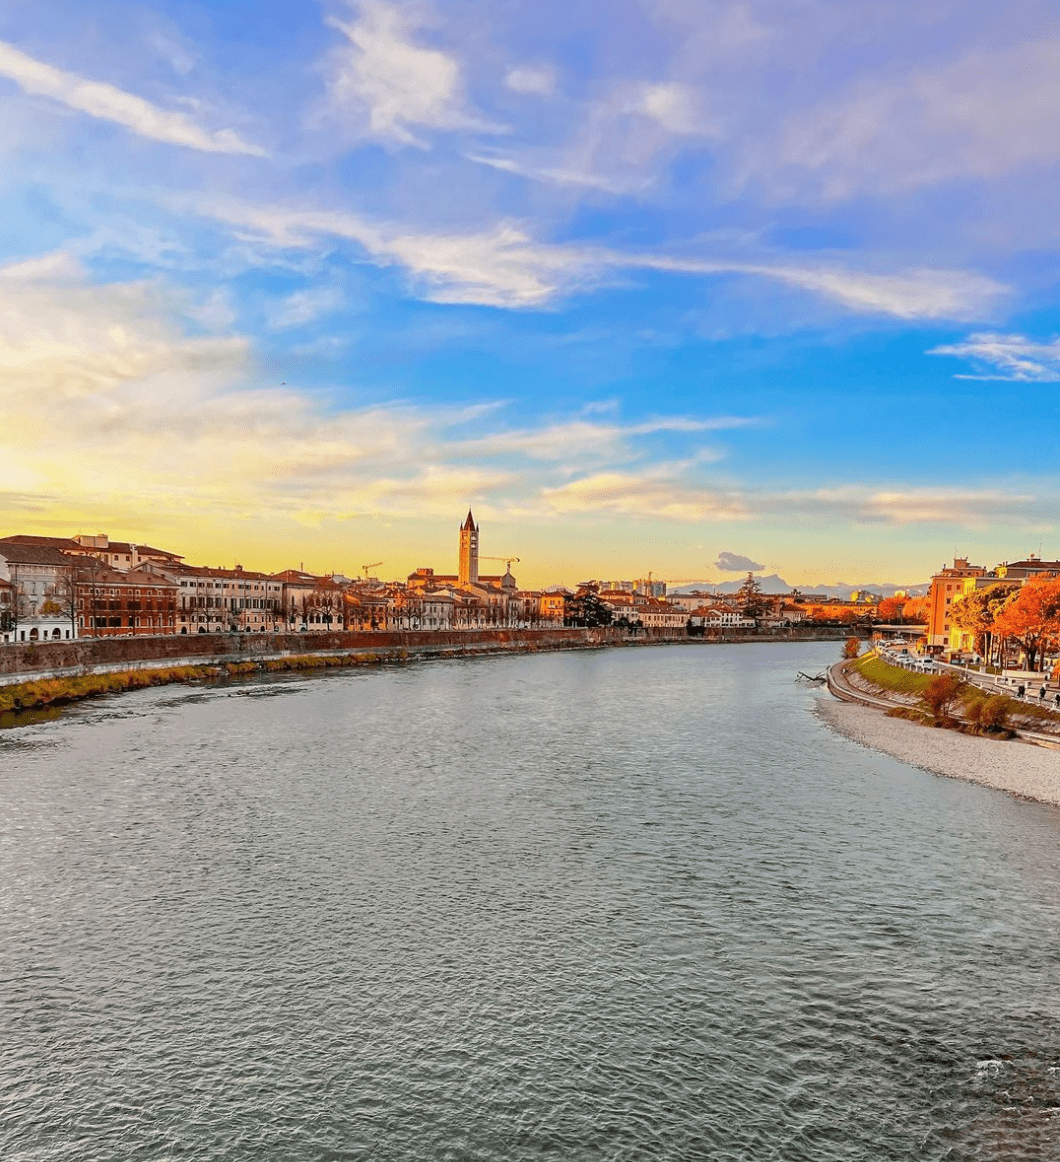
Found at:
<point>947,586</point>
<point>42,605</point>
<point>116,603</point>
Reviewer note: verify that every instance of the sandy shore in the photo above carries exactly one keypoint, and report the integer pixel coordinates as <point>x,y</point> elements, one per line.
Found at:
<point>1031,772</point>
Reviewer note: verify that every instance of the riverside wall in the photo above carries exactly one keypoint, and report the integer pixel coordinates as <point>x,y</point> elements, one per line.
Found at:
<point>22,662</point>
<point>27,661</point>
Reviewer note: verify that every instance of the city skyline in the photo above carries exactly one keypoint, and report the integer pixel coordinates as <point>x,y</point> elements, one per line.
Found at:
<point>648,286</point>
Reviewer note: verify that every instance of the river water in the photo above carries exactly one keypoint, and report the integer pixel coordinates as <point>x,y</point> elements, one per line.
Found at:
<point>621,904</point>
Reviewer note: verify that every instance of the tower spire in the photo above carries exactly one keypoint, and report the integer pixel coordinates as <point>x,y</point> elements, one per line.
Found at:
<point>469,550</point>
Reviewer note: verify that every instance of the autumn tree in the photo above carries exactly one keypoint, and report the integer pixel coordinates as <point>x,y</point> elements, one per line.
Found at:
<point>851,647</point>
<point>891,609</point>
<point>977,611</point>
<point>941,695</point>
<point>1032,618</point>
<point>915,610</point>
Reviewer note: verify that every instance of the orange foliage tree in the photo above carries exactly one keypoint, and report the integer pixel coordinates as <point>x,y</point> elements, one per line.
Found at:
<point>891,609</point>
<point>916,609</point>
<point>1032,618</point>
<point>977,612</point>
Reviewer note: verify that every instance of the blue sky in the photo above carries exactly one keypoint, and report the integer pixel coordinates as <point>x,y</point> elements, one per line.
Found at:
<point>643,281</point>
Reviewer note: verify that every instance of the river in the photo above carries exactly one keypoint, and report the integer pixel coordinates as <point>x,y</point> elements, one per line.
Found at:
<point>616,904</point>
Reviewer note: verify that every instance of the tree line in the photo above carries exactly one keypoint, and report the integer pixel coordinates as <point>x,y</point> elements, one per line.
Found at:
<point>1027,617</point>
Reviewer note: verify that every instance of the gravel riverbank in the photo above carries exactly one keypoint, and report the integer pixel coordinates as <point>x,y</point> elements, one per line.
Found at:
<point>1022,769</point>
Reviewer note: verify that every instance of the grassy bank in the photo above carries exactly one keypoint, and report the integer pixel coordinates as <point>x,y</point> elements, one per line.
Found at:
<point>47,692</point>
<point>971,709</point>
<point>44,693</point>
<point>892,678</point>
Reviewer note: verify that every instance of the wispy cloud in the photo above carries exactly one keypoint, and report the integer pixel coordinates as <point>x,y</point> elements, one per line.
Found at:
<point>499,267</point>
<point>116,382</point>
<point>578,440</point>
<point>1013,358</point>
<point>659,492</point>
<point>989,112</point>
<point>905,294</point>
<point>398,86</point>
<point>506,267</point>
<point>303,306</point>
<point>538,82</point>
<point>108,103</point>
<point>648,495</point>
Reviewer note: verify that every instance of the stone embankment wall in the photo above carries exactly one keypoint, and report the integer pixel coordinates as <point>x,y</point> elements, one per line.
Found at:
<point>113,654</point>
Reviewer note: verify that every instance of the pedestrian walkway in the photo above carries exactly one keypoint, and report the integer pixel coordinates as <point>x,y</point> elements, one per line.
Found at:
<point>840,687</point>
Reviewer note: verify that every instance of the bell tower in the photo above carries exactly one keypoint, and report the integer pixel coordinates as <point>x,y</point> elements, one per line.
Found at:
<point>469,550</point>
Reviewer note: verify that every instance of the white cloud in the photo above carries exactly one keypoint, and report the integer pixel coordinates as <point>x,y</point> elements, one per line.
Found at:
<point>908,294</point>
<point>966,507</point>
<point>670,104</point>
<point>397,85</point>
<point>108,103</point>
<point>117,390</point>
<point>649,495</point>
<point>1013,358</point>
<point>545,170</point>
<point>736,563</point>
<point>581,439</point>
<point>500,267</point>
<point>538,82</point>
<point>983,115</point>
<point>663,492</point>
<point>620,141</point>
<point>304,306</point>
<point>505,267</point>
<point>116,383</point>
<point>914,294</point>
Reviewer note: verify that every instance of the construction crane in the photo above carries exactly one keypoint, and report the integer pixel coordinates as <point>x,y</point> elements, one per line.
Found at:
<point>507,561</point>
<point>373,565</point>
<point>676,580</point>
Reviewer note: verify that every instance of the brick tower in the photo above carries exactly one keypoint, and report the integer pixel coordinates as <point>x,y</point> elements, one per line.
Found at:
<point>469,550</point>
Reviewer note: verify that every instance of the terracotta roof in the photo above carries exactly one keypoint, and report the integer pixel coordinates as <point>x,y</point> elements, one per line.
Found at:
<point>69,544</point>
<point>29,539</point>
<point>21,554</point>
<point>93,571</point>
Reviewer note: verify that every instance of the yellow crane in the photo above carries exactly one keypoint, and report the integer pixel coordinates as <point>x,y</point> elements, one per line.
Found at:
<point>373,565</point>
<point>507,561</point>
<point>677,580</point>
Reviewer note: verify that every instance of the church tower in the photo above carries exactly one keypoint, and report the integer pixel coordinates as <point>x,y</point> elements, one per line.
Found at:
<point>469,550</point>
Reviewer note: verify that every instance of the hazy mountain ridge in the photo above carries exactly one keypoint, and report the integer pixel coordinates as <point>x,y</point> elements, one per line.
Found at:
<point>772,583</point>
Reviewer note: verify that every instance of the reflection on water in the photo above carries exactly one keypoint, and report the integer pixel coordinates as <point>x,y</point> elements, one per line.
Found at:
<point>616,905</point>
<point>10,719</point>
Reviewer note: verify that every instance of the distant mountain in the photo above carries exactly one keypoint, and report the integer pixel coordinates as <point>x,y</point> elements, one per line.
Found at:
<point>770,583</point>
<point>774,584</point>
<point>884,589</point>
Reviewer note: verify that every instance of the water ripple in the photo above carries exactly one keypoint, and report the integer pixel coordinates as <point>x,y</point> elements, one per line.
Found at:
<point>616,906</point>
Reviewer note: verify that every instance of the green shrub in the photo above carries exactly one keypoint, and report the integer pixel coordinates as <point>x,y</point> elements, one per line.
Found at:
<point>995,712</point>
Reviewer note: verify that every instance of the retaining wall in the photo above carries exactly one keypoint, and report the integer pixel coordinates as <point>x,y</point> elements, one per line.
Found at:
<point>22,661</point>
<point>111,654</point>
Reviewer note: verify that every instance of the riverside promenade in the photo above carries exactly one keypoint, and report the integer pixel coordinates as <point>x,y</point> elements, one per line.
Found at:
<point>841,686</point>
<point>1026,767</point>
